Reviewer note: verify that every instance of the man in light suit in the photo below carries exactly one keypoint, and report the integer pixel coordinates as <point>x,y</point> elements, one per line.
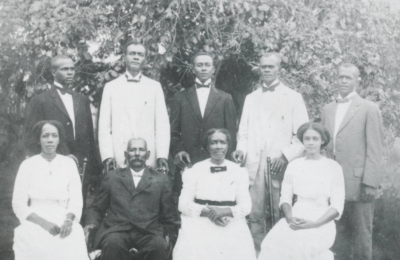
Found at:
<point>270,119</point>
<point>133,105</point>
<point>72,110</point>
<point>356,127</point>
<point>196,110</point>
<point>133,209</point>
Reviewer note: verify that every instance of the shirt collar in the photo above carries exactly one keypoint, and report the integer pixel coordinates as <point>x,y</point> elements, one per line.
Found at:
<point>137,173</point>
<point>350,96</point>
<point>130,77</point>
<point>273,83</point>
<point>208,82</point>
<point>58,84</point>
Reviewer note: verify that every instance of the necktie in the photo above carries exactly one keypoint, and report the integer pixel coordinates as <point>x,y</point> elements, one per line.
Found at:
<point>198,85</point>
<point>344,100</point>
<point>64,90</point>
<point>270,88</point>
<point>218,169</point>
<point>137,175</point>
<point>133,80</point>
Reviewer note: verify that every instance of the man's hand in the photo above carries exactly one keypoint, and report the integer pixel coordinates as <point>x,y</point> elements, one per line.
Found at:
<point>278,164</point>
<point>74,158</point>
<point>50,227</point>
<point>162,165</point>
<point>109,164</point>
<point>238,156</point>
<point>66,229</point>
<point>87,229</point>
<point>182,159</point>
<point>367,193</point>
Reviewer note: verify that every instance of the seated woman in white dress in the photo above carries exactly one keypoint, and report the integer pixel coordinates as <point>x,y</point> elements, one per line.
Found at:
<point>47,200</point>
<point>214,202</point>
<point>308,229</point>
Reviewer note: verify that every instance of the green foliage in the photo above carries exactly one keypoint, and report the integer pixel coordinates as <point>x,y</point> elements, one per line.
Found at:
<point>313,36</point>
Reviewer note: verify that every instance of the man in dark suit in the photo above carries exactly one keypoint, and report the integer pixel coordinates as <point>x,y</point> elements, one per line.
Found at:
<point>355,125</point>
<point>196,110</point>
<point>72,110</point>
<point>139,207</point>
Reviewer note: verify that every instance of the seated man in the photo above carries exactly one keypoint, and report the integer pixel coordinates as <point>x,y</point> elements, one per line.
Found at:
<point>139,207</point>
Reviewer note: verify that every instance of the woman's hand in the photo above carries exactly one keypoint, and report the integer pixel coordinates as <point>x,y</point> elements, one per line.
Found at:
<point>50,227</point>
<point>216,213</point>
<point>222,222</point>
<point>66,229</point>
<point>297,223</point>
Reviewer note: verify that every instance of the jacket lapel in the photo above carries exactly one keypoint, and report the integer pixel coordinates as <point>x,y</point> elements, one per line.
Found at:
<point>353,109</point>
<point>57,101</point>
<point>127,180</point>
<point>191,96</point>
<point>213,99</point>
<point>331,117</point>
<point>145,181</point>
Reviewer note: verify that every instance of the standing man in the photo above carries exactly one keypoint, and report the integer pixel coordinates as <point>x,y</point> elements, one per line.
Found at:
<point>270,119</point>
<point>356,127</point>
<point>196,110</point>
<point>72,110</point>
<point>133,105</point>
<point>133,209</point>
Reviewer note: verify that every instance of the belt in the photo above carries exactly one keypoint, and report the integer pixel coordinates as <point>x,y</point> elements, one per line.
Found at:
<point>215,203</point>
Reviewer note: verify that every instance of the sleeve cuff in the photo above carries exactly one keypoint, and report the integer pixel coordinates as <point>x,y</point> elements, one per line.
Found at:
<point>194,210</point>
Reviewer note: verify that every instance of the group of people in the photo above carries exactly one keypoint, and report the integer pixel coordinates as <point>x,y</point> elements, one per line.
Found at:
<point>322,173</point>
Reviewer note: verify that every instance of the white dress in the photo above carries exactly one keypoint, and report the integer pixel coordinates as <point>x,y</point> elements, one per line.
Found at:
<point>54,190</point>
<point>201,239</point>
<point>319,185</point>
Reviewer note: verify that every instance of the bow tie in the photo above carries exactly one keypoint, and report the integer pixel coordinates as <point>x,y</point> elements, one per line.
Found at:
<point>270,88</point>
<point>218,169</point>
<point>63,91</point>
<point>344,100</point>
<point>133,80</point>
<point>198,85</point>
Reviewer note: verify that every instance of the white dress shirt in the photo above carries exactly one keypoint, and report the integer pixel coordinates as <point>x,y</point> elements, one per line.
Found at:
<point>268,104</point>
<point>137,176</point>
<point>68,103</point>
<point>340,114</point>
<point>202,95</point>
<point>130,77</point>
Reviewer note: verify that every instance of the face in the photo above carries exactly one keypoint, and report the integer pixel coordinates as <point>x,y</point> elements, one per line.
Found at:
<point>65,72</point>
<point>218,146</point>
<point>347,81</point>
<point>49,139</point>
<point>203,67</point>
<point>135,57</point>
<point>269,69</point>
<point>312,141</point>
<point>137,154</point>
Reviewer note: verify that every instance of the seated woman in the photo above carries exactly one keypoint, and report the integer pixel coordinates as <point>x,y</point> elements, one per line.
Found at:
<point>214,202</point>
<point>308,230</point>
<point>47,200</point>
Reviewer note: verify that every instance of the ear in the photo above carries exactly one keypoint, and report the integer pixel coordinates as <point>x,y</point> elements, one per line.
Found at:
<point>147,155</point>
<point>53,72</point>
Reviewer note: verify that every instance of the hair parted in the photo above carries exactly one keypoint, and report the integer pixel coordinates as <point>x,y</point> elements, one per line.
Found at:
<point>135,138</point>
<point>202,53</point>
<point>212,131</point>
<point>318,127</point>
<point>134,41</point>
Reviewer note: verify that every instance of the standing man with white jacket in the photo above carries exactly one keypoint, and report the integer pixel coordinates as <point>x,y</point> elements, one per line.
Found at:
<point>133,105</point>
<point>270,119</point>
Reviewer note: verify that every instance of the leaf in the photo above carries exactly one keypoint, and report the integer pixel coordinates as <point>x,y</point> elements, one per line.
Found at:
<point>114,73</point>
<point>87,55</point>
<point>343,23</point>
<point>264,8</point>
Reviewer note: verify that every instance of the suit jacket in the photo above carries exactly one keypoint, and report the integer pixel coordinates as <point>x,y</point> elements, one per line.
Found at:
<point>359,144</point>
<point>133,109</point>
<point>288,115</point>
<point>49,106</point>
<point>148,208</point>
<point>188,127</point>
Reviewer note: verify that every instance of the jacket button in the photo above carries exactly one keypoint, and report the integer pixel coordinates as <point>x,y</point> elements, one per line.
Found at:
<point>67,123</point>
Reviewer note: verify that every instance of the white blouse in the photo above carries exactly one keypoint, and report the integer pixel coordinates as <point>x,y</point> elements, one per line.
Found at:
<point>230,185</point>
<point>42,181</point>
<point>320,181</point>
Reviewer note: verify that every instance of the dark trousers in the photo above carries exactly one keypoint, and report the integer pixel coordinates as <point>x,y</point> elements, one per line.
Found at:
<point>354,232</point>
<point>117,245</point>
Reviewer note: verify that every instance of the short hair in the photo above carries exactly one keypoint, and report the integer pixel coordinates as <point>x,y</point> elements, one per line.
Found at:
<point>55,60</point>
<point>318,127</point>
<point>33,138</point>
<point>351,66</point>
<point>134,41</point>
<point>212,131</point>
<point>135,138</point>
<point>272,54</point>
<point>202,53</point>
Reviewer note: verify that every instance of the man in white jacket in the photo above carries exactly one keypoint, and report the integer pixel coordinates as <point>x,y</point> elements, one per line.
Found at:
<point>133,105</point>
<point>270,119</point>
